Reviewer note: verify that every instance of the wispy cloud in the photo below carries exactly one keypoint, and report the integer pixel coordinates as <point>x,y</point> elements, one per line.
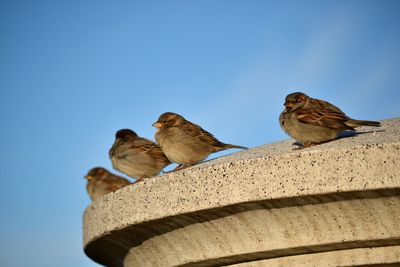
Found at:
<point>376,85</point>
<point>322,54</point>
<point>256,95</point>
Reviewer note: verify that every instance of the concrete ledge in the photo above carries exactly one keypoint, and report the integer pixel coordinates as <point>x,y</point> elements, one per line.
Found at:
<point>271,233</point>
<point>377,256</point>
<point>264,204</point>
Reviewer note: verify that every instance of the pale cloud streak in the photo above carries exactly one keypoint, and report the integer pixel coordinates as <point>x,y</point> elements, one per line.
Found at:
<point>257,93</point>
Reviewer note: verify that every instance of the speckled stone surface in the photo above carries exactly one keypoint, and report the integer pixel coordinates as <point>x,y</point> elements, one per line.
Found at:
<point>378,256</point>
<point>249,190</point>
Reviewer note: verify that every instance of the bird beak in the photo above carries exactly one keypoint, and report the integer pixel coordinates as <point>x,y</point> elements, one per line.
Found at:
<point>88,177</point>
<point>157,125</point>
<point>287,104</point>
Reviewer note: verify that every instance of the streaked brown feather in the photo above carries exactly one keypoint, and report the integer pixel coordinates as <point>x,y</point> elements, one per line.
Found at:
<point>323,117</point>
<point>202,135</point>
<point>117,184</point>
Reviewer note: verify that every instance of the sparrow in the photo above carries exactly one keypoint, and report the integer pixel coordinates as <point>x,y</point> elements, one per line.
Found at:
<point>184,142</point>
<point>136,156</point>
<point>100,182</point>
<point>313,121</point>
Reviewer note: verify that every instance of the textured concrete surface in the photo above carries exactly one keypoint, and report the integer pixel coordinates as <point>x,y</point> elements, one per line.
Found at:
<point>378,256</point>
<point>268,233</point>
<point>268,203</point>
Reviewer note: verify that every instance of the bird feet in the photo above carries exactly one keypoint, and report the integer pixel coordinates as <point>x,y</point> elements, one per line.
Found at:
<point>180,167</point>
<point>304,146</point>
<point>139,180</point>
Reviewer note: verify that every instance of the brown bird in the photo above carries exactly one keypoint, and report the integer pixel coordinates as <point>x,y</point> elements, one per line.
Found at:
<point>312,121</point>
<point>184,142</point>
<point>100,182</point>
<point>136,156</point>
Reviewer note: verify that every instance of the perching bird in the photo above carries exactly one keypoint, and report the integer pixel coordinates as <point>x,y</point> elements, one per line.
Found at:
<point>312,121</point>
<point>184,142</point>
<point>100,182</point>
<point>136,156</point>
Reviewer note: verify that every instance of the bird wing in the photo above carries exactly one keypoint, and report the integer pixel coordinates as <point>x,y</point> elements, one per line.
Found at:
<point>322,104</point>
<point>202,135</point>
<point>143,145</point>
<point>117,183</point>
<point>327,118</point>
<point>131,147</point>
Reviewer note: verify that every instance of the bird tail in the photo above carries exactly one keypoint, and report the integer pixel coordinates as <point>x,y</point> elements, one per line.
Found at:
<point>219,146</point>
<point>358,123</point>
<point>226,146</point>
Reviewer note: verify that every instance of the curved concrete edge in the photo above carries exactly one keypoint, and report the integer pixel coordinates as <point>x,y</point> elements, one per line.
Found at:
<point>271,233</point>
<point>270,176</point>
<point>378,256</point>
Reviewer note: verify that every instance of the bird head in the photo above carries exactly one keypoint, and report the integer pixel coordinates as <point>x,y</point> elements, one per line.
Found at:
<point>95,173</point>
<point>125,133</point>
<point>295,100</point>
<point>169,119</point>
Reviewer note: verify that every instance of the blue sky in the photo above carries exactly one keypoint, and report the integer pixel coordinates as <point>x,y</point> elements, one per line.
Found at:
<point>74,72</point>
